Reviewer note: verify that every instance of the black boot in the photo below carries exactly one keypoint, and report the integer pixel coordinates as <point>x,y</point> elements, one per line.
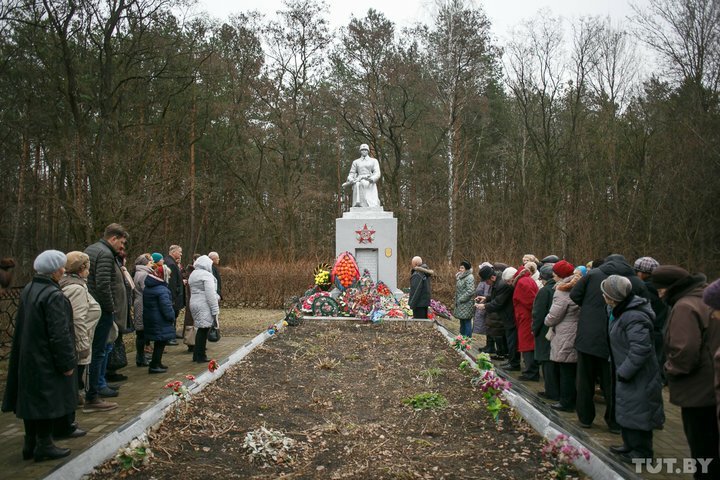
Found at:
<point>29,447</point>
<point>47,450</point>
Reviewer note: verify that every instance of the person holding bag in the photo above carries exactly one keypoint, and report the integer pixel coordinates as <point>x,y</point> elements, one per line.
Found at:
<point>204,305</point>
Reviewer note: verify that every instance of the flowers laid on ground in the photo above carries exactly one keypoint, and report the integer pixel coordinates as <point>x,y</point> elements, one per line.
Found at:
<point>439,309</point>
<point>325,307</point>
<point>563,454</point>
<point>461,343</point>
<point>345,272</point>
<point>213,365</point>
<point>134,455</point>
<point>321,275</point>
<point>269,446</point>
<point>308,300</point>
<point>179,389</point>
<point>493,389</point>
<point>272,329</point>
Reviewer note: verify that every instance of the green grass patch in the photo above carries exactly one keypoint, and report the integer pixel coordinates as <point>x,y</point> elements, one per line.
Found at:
<point>426,401</point>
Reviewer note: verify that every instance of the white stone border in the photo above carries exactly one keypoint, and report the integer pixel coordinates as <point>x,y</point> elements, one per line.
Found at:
<point>595,468</point>
<point>108,446</point>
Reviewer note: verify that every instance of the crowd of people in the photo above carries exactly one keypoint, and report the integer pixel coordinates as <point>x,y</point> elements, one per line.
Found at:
<point>631,329</point>
<point>68,341</point>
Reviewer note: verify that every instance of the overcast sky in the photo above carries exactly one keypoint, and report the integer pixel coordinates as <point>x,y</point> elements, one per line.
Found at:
<point>503,14</point>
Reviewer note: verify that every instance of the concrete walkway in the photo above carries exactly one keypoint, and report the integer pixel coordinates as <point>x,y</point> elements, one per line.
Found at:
<point>138,393</point>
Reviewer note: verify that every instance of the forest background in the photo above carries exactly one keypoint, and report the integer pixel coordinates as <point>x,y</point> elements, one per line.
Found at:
<point>235,135</point>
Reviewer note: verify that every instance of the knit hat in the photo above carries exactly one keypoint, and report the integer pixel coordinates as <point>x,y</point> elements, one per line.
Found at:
<point>616,287</point>
<point>646,264</point>
<point>143,259</point>
<point>550,259</point>
<point>76,261</point>
<point>563,269</point>
<point>156,257</point>
<point>486,272</point>
<point>711,295</point>
<point>466,264</point>
<point>582,269</point>
<point>484,264</point>
<point>665,276</point>
<point>49,262</point>
<point>509,273</point>
<point>546,272</point>
<point>531,267</point>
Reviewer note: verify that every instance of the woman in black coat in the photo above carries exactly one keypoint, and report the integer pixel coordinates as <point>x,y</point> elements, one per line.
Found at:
<point>41,384</point>
<point>638,393</point>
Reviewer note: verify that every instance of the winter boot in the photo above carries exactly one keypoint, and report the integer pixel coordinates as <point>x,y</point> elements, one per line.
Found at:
<point>47,450</point>
<point>29,447</point>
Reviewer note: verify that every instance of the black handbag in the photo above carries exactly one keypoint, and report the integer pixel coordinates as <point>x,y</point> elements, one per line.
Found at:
<point>214,333</point>
<point>118,356</point>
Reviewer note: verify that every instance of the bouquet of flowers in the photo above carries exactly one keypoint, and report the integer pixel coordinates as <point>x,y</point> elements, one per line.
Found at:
<point>439,309</point>
<point>461,343</point>
<point>321,275</point>
<point>493,388</point>
<point>562,454</point>
<point>308,301</point>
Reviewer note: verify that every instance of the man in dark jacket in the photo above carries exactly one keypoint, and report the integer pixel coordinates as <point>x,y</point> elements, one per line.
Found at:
<point>104,274</point>
<point>176,283</point>
<point>691,340</point>
<point>500,302</point>
<point>591,341</point>
<point>41,383</point>
<point>420,288</point>
<point>541,307</point>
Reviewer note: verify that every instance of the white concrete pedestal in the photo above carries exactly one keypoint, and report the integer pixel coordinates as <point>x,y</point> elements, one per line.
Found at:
<point>370,234</point>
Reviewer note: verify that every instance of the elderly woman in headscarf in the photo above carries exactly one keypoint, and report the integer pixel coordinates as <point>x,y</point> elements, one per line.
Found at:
<point>638,392</point>
<point>203,304</point>
<point>41,385</point>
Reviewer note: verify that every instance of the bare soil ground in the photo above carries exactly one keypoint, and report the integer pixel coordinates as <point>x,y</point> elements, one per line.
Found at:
<point>337,390</point>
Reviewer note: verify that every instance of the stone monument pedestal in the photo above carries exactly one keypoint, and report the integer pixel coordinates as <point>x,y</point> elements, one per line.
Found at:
<point>370,234</point>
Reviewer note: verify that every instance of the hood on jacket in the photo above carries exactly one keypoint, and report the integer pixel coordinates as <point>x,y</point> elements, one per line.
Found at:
<point>641,304</point>
<point>204,262</point>
<point>424,269</point>
<point>153,281</point>
<point>617,267</point>
<point>71,279</point>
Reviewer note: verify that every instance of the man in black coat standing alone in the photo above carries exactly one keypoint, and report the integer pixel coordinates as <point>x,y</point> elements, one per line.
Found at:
<point>420,288</point>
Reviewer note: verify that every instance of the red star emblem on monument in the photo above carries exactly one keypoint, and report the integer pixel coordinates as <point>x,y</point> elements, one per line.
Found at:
<point>365,235</point>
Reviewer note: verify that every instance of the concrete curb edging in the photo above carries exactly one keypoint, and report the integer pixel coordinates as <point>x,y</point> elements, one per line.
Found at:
<point>595,467</point>
<point>107,446</point>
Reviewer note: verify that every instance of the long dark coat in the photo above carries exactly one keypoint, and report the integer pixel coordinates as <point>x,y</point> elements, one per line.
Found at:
<point>500,302</point>
<point>158,313</point>
<point>176,284</point>
<point>541,307</point>
<point>591,335</point>
<point>43,348</point>
<point>638,393</point>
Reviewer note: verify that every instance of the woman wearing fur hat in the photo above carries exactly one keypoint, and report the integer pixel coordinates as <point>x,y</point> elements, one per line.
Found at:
<point>203,304</point>
<point>692,334</point>
<point>142,270</point>
<point>41,384</point>
<point>86,310</point>
<point>563,318</point>
<point>464,296</point>
<point>158,317</point>
<point>638,392</point>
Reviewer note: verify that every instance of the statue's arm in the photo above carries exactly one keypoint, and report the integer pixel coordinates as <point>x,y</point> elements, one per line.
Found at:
<point>352,176</point>
<point>375,176</point>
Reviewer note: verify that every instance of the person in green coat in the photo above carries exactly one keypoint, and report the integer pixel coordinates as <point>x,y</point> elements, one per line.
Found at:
<point>464,298</point>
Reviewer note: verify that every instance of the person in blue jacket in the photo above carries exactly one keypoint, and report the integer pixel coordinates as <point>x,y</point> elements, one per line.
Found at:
<point>158,317</point>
